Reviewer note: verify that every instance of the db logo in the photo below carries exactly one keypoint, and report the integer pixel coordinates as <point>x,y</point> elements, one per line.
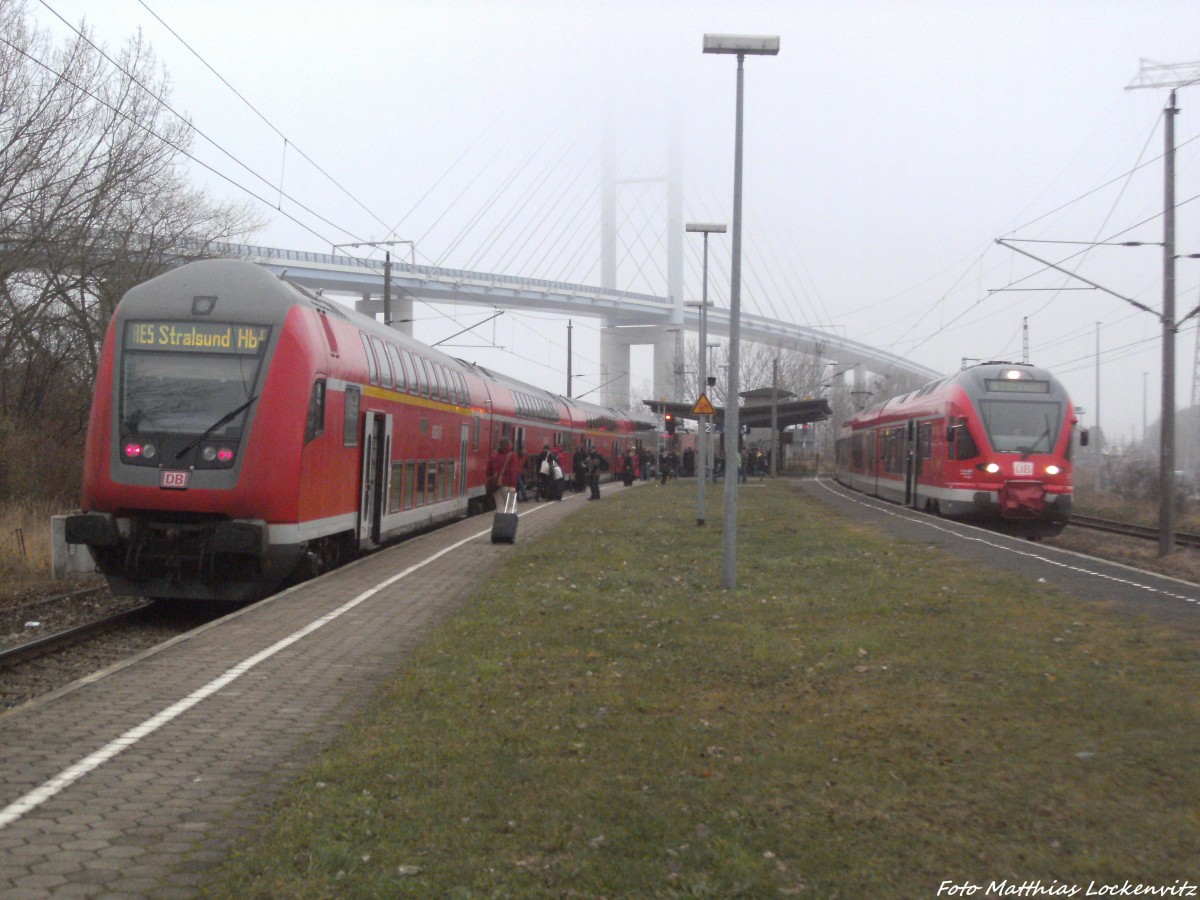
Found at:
<point>1022,468</point>
<point>174,480</point>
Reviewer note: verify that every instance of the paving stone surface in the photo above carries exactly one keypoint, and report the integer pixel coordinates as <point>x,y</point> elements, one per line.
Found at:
<point>167,790</point>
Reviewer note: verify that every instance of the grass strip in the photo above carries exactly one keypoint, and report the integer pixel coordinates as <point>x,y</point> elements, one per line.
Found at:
<point>860,717</point>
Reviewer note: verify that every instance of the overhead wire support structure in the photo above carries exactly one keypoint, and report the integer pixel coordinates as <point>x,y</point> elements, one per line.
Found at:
<point>1174,76</point>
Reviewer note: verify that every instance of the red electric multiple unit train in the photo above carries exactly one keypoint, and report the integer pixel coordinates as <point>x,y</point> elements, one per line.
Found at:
<point>245,433</point>
<point>990,442</point>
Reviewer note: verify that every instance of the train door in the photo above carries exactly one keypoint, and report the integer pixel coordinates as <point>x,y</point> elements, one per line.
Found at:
<point>376,448</point>
<point>911,454</point>
<point>464,443</point>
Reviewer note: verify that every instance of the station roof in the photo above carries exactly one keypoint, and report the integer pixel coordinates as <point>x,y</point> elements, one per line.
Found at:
<point>756,413</point>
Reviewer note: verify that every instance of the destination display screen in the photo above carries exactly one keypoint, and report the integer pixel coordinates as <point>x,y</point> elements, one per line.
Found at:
<point>197,337</point>
<point>1018,386</point>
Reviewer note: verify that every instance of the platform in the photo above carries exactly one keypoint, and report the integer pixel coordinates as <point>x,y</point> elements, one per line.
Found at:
<point>133,782</point>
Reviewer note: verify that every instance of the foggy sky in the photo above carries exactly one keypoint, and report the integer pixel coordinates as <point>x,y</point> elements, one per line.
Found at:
<point>887,146</point>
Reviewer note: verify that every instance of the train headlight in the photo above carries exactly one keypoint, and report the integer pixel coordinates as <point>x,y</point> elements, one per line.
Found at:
<point>1052,470</point>
<point>992,468</point>
<point>149,451</point>
<point>216,456</point>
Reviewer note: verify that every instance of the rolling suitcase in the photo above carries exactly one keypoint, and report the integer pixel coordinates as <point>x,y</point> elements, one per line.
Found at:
<point>504,525</point>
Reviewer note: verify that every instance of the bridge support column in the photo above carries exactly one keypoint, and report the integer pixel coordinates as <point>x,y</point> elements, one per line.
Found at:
<point>614,366</point>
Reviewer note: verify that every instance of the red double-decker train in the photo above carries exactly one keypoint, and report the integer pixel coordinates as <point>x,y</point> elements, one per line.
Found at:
<point>246,432</point>
<point>992,442</point>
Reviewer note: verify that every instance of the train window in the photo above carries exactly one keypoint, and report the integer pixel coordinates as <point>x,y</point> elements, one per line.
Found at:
<point>440,374</point>
<point>410,484</point>
<point>925,440</point>
<point>385,363</point>
<point>350,421</point>
<point>964,444</point>
<point>423,380</point>
<point>410,371</point>
<point>315,424</point>
<point>396,493</point>
<point>397,367</point>
<point>1021,426</point>
<point>431,482</point>
<point>420,498</point>
<point>443,485</point>
<point>464,395</point>
<point>450,483</point>
<point>372,366</point>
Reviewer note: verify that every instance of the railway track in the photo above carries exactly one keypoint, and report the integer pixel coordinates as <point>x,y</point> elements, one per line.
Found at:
<point>85,641</point>
<point>53,642</point>
<point>1128,529</point>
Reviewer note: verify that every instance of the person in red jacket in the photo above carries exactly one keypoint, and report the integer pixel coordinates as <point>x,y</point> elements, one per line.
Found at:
<point>502,473</point>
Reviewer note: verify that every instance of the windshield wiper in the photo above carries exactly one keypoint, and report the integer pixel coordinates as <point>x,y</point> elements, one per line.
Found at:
<point>1037,440</point>
<point>224,420</point>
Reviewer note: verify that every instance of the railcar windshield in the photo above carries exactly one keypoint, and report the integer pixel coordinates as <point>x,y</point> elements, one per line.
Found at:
<point>1021,426</point>
<point>181,379</point>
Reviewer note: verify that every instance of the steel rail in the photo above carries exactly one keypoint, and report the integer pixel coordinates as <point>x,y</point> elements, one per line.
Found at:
<point>1129,529</point>
<point>32,649</point>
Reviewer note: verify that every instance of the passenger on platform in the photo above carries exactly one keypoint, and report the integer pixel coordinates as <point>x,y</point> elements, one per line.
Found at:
<point>545,464</point>
<point>579,468</point>
<point>629,467</point>
<point>689,462</point>
<point>503,472</point>
<point>597,465</point>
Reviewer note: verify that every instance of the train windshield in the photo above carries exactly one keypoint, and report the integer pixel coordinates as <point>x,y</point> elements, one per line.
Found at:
<point>1021,426</point>
<point>186,387</point>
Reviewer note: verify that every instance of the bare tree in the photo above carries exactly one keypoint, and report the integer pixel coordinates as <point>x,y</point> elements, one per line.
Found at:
<point>93,199</point>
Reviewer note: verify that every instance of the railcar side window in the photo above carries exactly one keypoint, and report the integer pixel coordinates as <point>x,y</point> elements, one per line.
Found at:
<point>385,364</point>
<point>316,411</point>
<point>371,365</point>
<point>410,371</point>
<point>350,422</point>
<point>410,484</point>
<point>965,446</point>
<point>398,367</point>
<point>422,376</point>
<point>396,495</point>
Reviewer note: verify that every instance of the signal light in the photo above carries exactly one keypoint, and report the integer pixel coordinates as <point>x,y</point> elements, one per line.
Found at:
<point>670,422</point>
<point>133,450</point>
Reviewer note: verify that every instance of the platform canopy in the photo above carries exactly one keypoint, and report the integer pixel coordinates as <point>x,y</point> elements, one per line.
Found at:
<point>755,412</point>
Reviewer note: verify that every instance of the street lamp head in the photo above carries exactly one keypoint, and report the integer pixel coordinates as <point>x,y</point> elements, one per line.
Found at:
<point>706,227</point>
<point>742,44</point>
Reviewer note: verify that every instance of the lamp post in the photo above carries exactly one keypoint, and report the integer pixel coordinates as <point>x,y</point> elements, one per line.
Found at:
<point>705,228</point>
<point>742,46</point>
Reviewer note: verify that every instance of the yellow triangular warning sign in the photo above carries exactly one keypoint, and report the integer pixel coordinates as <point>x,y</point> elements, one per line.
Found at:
<point>703,407</point>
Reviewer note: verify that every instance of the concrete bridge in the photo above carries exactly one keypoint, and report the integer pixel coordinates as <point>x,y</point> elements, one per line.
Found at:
<point>629,318</point>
